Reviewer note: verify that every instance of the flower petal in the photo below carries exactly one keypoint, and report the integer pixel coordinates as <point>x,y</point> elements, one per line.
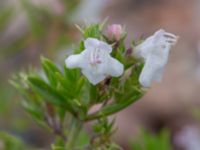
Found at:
<point>91,43</point>
<point>143,49</point>
<point>114,67</point>
<point>147,74</point>
<point>93,78</point>
<point>74,61</point>
<point>105,46</point>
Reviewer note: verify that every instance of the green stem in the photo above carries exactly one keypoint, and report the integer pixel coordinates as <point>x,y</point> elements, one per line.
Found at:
<point>74,134</point>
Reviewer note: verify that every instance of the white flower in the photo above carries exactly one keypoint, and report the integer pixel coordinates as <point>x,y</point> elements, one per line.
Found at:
<point>155,50</point>
<point>95,61</point>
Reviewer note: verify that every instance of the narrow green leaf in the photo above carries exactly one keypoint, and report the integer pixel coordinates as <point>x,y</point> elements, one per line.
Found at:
<point>93,31</point>
<point>80,84</point>
<point>115,107</point>
<point>50,70</point>
<point>49,94</point>
<point>46,91</point>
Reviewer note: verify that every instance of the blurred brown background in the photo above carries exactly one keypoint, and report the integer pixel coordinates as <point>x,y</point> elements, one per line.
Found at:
<point>173,104</point>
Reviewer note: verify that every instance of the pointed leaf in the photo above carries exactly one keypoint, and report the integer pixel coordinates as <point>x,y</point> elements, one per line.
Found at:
<point>49,94</point>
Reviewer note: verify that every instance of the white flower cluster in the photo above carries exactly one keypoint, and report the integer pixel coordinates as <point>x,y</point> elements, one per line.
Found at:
<point>96,63</point>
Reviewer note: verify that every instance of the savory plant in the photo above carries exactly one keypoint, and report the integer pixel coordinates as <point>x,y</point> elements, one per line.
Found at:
<point>102,72</point>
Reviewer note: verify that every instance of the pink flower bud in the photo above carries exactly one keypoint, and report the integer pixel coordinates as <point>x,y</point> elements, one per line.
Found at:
<point>115,32</point>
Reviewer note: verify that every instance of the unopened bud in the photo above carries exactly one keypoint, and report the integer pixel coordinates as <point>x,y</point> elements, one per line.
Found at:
<point>115,32</point>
